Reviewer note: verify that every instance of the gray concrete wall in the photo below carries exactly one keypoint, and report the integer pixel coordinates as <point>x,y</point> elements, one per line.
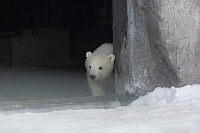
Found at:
<point>177,25</point>
<point>43,47</point>
<point>156,44</point>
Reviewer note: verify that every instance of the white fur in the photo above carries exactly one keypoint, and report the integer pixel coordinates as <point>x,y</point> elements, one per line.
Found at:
<point>100,64</point>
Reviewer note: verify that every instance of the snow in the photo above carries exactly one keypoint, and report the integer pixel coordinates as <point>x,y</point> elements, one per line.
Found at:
<point>165,110</point>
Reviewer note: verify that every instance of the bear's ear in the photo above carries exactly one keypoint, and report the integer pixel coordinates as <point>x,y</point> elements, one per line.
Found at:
<point>111,57</point>
<point>88,54</point>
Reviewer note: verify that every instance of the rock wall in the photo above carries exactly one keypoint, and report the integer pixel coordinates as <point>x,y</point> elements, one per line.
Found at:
<point>156,43</point>
<point>177,26</point>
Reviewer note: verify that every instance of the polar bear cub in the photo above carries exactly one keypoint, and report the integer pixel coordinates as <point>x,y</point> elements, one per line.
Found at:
<point>99,66</point>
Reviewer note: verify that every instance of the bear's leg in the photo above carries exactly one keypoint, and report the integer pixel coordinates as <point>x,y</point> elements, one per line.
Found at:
<point>95,88</point>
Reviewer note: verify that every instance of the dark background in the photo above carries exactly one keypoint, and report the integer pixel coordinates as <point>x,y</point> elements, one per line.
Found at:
<point>87,22</point>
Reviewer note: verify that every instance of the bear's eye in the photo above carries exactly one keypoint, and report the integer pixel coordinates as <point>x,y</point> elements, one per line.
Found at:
<point>90,67</point>
<point>100,68</point>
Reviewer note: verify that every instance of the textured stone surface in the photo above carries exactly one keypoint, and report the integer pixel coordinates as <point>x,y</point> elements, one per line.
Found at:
<point>120,50</point>
<point>156,43</point>
<point>177,25</point>
<point>140,67</point>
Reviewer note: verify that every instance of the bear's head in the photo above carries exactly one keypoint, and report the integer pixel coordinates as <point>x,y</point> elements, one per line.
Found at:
<point>98,66</point>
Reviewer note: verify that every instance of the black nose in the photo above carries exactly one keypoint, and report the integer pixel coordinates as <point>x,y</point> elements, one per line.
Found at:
<point>92,77</point>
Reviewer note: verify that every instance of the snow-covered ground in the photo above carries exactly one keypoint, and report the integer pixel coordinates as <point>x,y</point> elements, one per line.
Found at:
<point>165,110</point>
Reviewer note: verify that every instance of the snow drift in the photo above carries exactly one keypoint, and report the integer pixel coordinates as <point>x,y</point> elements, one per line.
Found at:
<point>165,110</point>
<point>187,95</point>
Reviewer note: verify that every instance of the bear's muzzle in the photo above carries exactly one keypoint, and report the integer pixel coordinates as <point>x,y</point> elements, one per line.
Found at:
<point>92,77</point>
